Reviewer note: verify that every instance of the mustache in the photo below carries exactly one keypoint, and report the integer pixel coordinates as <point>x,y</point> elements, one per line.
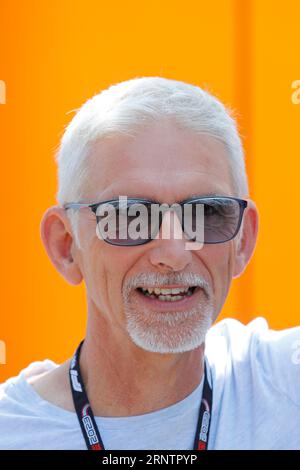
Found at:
<point>156,280</point>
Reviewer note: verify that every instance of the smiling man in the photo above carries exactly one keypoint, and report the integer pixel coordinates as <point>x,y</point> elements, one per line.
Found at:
<point>152,371</point>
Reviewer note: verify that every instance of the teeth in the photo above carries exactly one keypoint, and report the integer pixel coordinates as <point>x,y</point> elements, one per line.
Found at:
<point>166,292</point>
<point>170,298</point>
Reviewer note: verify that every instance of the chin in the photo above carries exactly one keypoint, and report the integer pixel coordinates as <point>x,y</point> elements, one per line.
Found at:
<point>169,332</point>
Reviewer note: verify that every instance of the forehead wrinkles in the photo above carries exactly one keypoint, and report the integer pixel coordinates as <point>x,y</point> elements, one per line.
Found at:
<point>177,186</point>
<point>159,188</point>
<point>113,167</point>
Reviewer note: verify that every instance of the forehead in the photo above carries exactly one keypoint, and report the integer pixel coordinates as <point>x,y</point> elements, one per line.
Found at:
<point>163,162</point>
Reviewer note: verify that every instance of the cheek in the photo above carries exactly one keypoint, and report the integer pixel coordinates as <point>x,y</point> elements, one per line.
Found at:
<point>218,260</point>
<point>103,267</point>
<point>108,268</point>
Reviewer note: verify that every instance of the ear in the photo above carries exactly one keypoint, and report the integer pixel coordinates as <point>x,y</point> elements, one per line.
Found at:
<point>56,234</point>
<point>246,240</point>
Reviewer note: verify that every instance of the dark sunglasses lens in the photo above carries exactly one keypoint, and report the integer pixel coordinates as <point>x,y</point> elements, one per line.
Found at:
<point>128,224</point>
<point>216,222</point>
<point>207,220</point>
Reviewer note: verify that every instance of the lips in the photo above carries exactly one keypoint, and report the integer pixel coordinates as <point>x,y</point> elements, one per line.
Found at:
<point>172,294</point>
<point>169,302</point>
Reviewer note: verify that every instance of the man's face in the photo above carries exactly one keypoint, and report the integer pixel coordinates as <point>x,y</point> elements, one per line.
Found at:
<point>166,164</point>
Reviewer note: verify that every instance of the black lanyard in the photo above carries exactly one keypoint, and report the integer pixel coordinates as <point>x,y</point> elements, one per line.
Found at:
<point>88,424</point>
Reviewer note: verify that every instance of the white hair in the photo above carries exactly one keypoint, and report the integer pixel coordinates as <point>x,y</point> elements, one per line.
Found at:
<point>126,107</point>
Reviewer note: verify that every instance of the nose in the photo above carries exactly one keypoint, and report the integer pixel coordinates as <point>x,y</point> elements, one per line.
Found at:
<point>169,251</point>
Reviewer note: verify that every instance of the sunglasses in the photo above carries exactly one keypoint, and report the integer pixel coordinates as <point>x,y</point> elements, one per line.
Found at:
<point>134,221</point>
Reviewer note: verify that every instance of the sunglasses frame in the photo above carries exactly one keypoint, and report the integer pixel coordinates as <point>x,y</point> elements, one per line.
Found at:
<point>94,206</point>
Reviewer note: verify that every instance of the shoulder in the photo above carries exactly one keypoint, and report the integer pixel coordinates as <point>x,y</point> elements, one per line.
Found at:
<point>274,354</point>
<point>39,383</point>
<point>235,335</point>
<point>32,414</point>
<point>17,396</point>
<point>15,390</point>
<point>19,406</point>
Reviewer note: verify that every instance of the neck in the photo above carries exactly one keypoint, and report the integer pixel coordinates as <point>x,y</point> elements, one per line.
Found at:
<point>127,380</point>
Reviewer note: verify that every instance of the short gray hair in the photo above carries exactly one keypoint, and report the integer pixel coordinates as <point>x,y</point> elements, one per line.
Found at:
<point>124,108</point>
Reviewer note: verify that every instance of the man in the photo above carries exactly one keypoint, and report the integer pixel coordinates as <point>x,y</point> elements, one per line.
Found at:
<point>152,372</point>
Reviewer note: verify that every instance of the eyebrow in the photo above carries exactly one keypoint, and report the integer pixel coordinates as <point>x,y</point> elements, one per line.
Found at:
<point>211,194</point>
<point>195,195</point>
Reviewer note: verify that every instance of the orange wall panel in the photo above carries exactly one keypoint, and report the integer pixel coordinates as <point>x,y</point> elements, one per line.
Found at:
<point>55,54</point>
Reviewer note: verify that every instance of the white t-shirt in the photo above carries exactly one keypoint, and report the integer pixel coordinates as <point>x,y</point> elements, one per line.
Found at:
<point>255,373</point>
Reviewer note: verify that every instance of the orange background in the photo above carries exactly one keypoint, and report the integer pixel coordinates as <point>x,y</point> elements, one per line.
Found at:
<point>55,54</point>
